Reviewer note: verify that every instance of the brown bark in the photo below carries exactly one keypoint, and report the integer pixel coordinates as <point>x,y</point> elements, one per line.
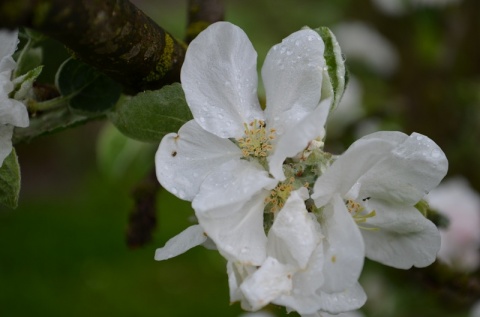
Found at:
<point>113,36</point>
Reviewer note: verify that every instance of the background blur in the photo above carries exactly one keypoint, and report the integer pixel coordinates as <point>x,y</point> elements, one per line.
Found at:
<point>415,66</point>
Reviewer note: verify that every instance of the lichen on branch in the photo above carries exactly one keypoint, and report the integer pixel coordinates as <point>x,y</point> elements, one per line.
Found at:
<point>112,35</point>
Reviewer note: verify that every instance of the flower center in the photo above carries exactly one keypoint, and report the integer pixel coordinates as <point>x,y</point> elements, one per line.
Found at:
<point>257,140</point>
<point>358,213</point>
<point>279,195</point>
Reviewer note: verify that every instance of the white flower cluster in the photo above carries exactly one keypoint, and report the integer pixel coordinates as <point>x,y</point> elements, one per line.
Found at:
<point>294,222</point>
<point>13,113</point>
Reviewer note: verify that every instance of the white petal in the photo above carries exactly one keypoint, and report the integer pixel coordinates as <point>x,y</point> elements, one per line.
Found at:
<point>304,298</point>
<point>404,238</point>
<point>237,273</point>
<point>292,75</point>
<point>184,160</point>
<point>13,112</point>
<point>187,239</point>
<point>9,40</point>
<point>344,250</point>
<point>237,229</point>
<point>408,173</point>
<point>350,299</point>
<point>360,157</point>
<point>293,236</point>
<point>234,182</point>
<point>271,280</point>
<point>6,132</point>
<point>297,138</point>
<point>219,77</point>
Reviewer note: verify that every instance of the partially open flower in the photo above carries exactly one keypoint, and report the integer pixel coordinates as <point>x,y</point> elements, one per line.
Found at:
<point>13,113</point>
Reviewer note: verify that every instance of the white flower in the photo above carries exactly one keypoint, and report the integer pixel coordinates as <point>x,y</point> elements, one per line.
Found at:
<point>300,272</point>
<point>456,200</point>
<point>13,113</point>
<point>230,156</point>
<point>378,181</point>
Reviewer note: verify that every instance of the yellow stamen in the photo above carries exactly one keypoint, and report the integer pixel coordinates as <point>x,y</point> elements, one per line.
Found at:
<point>256,142</point>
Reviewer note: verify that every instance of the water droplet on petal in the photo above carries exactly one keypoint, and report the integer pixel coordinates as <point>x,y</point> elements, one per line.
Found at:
<point>436,153</point>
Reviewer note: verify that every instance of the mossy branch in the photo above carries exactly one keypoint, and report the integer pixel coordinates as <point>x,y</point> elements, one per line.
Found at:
<point>202,13</point>
<point>112,35</point>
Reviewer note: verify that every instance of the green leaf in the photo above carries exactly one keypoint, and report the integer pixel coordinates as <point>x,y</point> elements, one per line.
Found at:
<point>335,76</point>
<point>150,115</point>
<point>89,91</point>
<point>10,181</point>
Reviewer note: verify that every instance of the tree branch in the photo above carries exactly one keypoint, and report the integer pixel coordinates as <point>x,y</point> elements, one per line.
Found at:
<point>202,13</point>
<point>112,35</point>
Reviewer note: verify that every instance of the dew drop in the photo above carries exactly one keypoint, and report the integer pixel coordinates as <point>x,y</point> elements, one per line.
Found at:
<point>435,153</point>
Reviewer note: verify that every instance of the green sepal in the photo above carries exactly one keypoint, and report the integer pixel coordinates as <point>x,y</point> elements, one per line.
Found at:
<point>10,181</point>
<point>335,76</point>
<point>88,90</point>
<point>23,84</point>
<point>150,115</point>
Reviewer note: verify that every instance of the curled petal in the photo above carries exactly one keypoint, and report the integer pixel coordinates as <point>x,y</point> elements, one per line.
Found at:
<point>294,234</point>
<point>297,138</point>
<point>403,237</point>
<point>360,157</point>
<point>344,248</point>
<point>304,298</point>
<point>219,77</point>
<point>184,160</point>
<point>407,173</point>
<point>350,299</point>
<point>187,239</point>
<point>270,281</point>
<point>292,75</point>
<point>237,229</point>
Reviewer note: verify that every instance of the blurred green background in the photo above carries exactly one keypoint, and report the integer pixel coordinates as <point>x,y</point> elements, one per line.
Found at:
<point>63,251</point>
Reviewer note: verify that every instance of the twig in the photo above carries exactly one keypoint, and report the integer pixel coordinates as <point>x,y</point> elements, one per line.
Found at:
<point>112,35</point>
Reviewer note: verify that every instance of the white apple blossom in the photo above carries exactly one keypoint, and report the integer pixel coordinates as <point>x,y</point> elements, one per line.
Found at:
<point>298,272</point>
<point>249,172</point>
<point>230,156</point>
<point>378,181</point>
<point>13,113</point>
<point>456,200</point>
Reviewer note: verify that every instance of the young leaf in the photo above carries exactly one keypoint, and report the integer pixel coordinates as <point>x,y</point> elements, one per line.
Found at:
<point>89,91</point>
<point>10,181</point>
<point>335,76</point>
<point>150,115</point>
